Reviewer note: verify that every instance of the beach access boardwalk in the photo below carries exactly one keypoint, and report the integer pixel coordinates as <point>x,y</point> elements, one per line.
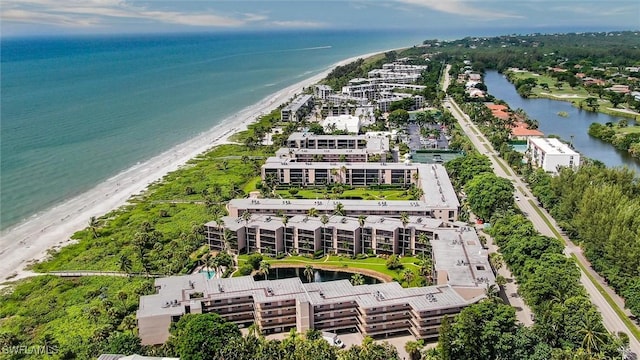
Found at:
<point>79,273</point>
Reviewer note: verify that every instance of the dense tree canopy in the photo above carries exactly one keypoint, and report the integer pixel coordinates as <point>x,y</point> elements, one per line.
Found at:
<point>488,193</point>
<point>599,207</point>
<point>201,336</point>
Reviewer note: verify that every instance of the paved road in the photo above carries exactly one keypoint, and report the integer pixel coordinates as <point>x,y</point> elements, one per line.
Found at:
<point>610,318</point>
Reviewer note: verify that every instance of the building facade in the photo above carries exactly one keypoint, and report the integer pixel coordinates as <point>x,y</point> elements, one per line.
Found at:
<point>550,154</point>
<point>461,275</point>
<point>303,234</point>
<point>297,109</point>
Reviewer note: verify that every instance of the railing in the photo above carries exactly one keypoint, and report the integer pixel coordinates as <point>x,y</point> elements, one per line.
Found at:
<point>78,273</point>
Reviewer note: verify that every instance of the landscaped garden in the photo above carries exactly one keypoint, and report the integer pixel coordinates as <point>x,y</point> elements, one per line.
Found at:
<point>341,192</point>
<point>409,271</point>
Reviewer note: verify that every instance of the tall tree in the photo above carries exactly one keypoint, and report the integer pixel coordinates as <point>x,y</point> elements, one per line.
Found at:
<point>201,336</point>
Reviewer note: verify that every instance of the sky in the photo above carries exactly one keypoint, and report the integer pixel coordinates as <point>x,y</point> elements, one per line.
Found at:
<point>52,17</point>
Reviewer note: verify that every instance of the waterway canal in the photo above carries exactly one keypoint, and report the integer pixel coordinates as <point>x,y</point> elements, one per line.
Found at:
<point>319,275</point>
<point>572,128</point>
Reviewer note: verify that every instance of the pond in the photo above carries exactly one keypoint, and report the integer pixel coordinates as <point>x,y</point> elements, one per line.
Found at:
<point>573,128</point>
<point>319,275</point>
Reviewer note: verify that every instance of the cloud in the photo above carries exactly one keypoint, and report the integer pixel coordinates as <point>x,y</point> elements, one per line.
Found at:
<point>460,7</point>
<point>604,10</point>
<point>298,24</point>
<point>79,13</point>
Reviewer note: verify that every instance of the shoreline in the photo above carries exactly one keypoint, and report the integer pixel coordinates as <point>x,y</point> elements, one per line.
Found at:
<point>30,240</point>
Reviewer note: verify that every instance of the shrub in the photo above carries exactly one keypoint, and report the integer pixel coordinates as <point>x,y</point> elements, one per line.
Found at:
<point>393,262</point>
<point>246,269</point>
<point>254,260</point>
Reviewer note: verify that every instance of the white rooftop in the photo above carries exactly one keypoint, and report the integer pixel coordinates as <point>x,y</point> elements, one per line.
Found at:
<point>552,146</point>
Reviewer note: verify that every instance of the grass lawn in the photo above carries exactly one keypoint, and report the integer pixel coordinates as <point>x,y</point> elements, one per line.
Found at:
<point>251,185</point>
<point>375,264</point>
<point>361,193</point>
<point>628,130</point>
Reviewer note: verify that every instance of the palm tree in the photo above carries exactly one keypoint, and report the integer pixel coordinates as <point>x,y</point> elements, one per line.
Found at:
<point>496,260</point>
<point>361,221</point>
<point>313,212</point>
<point>357,279</point>
<point>404,218</point>
<point>408,276</point>
<point>264,269</point>
<point>124,263</point>
<point>129,323</point>
<point>324,219</point>
<point>426,245</point>
<point>339,209</point>
<point>93,225</point>
<point>246,217</point>
<point>308,272</point>
<point>254,330</point>
<point>492,292</point>
<point>285,222</point>
<point>122,296</point>
<point>229,239</point>
<point>413,348</point>
<point>594,335</point>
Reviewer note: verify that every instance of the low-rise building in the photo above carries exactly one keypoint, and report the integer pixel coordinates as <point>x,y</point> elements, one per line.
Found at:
<point>297,109</point>
<point>348,123</point>
<point>438,198</point>
<point>306,140</point>
<point>304,234</point>
<point>521,131</point>
<point>461,275</point>
<point>327,155</point>
<point>550,154</point>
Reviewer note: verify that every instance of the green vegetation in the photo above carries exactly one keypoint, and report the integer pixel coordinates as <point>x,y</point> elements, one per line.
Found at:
<point>159,230</point>
<point>419,266</point>
<point>78,318</point>
<point>620,135</point>
<point>599,208</point>
<point>208,336</point>
<point>488,194</point>
<point>341,75</point>
<point>339,192</point>
<point>565,320</point>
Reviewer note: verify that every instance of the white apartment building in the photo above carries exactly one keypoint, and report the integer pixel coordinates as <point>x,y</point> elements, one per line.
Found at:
<point>550,154</point>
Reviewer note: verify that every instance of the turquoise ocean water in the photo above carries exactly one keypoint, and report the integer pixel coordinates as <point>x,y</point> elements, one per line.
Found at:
<point>76,111</point>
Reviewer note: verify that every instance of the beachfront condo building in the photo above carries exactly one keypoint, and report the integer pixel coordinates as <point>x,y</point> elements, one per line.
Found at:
<point>303,234</point>
<point>306,140</point>
<point>461,275</point>
<point>299,107</point>
<point>287,172</point>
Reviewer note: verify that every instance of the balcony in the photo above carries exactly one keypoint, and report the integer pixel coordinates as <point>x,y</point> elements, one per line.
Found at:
<point>369,320</point>
<point>276,313</point>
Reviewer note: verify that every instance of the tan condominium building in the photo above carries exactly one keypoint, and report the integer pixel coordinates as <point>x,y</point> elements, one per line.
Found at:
<point>438,198</point>
<point>343,235</point>
<point>293,173</point>
<point>328,155</point>
<point>462,273</point>
<point>305,140</point>
<point>297,109</point>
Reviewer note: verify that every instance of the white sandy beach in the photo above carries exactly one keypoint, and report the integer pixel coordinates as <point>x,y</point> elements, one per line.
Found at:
<point>30,240</point>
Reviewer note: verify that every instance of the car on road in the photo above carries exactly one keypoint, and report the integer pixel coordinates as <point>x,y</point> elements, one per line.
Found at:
<point>517,197</point>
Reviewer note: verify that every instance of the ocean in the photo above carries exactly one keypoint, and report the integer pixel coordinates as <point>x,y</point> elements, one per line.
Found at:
<point>78,110</point>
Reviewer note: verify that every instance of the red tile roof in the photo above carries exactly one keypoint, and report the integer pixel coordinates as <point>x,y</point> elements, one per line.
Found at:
<point>499,111</point>
<point>522,129</point>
